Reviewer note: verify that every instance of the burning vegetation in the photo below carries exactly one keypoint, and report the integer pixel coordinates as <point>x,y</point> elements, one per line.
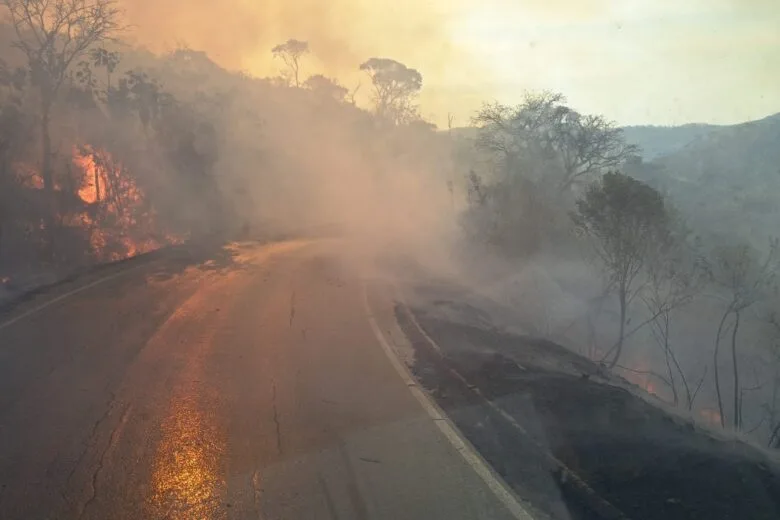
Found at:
<point>96,162</point>
<point>117,216</point>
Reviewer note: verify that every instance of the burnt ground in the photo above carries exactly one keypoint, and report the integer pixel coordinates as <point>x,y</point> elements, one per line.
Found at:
<point>576,443</point>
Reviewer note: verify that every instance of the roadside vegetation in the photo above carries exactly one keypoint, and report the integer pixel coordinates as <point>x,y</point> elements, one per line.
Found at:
<point>684,311</point>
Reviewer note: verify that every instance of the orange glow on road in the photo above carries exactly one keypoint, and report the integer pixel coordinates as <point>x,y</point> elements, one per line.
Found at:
<point>187,481</point>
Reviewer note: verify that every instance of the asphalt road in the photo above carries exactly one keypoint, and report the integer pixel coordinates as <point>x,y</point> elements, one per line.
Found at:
<point>239,382</point>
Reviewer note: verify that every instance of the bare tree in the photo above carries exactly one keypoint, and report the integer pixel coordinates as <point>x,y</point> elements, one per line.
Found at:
<point>580,146</point>
<point>53,34</point>
<point>352,94</point>
<point>291,53</point>
<point>743,281</point>
<point>395,88</point>
<point>674,278</point>
<point>512,131</point>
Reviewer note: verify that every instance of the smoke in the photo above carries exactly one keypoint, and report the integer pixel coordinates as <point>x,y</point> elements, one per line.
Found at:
<point>310,163</point>
<point>239,34</point>
<point>284,159</point>
<point>342,34</point>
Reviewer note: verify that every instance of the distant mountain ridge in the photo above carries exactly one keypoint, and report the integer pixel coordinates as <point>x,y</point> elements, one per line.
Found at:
<point>657,141</point>
<point>726,179</point>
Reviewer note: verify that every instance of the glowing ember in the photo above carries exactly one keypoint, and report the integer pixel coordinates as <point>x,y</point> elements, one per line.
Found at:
<point>639,373</point>
<point>710,416</point>
<point>28,176</point>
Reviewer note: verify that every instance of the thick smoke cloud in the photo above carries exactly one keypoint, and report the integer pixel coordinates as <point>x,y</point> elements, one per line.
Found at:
<point>470,51</point>
<point>240,33</point>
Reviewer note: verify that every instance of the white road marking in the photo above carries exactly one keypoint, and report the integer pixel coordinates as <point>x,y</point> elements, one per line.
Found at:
<point>494,482</point>
<point>511,420</point>
<point>61,297</point>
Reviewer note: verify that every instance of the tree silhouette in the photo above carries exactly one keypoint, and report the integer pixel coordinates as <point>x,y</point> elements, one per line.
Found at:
<point>395,88</point>
<point>572,146</point>
<point>626,219</point>
<point>744,280</point>
<point>291,52</point>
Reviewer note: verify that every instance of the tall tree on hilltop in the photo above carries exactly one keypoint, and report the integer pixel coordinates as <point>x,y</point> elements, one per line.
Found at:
<point>291,53</point>
<point>565,144</point>
<point>395,88</point>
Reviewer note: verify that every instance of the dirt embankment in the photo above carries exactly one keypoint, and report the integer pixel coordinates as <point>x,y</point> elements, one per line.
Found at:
<point>576,443</point>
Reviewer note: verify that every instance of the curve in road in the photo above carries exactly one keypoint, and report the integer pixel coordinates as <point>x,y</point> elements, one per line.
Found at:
<point>229,382</point>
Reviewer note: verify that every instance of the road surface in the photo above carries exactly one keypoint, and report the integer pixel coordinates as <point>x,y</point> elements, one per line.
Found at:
<point>238,382</point>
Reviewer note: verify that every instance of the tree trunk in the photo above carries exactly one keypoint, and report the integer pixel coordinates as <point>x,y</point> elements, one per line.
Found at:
<point>622,333</point>
<point>2,227</point>
<point>715,365</point>
<point>735,368</point>
<point>48,179</point>
<point>774,438</point>
<point>684,379</point>
<point>668,356</point>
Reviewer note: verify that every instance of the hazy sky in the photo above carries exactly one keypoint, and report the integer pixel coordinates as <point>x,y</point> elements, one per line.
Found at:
<point>636,61</point>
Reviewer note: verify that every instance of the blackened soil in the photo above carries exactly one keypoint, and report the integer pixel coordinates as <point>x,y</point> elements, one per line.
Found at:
<point>578,445</point>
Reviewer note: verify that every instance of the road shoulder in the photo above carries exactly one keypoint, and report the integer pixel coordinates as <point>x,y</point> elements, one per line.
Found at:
<point>398,350</point>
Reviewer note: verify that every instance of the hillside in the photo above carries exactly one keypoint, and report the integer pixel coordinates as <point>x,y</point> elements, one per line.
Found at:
<point>727,181</point>
<point>657,141</point>
<point>732,154</point>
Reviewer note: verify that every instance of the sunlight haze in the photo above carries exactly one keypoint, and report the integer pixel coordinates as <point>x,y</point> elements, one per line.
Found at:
<point>668,62</point>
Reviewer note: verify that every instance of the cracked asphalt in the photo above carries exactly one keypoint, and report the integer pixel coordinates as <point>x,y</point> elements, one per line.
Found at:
<point>218,382</point>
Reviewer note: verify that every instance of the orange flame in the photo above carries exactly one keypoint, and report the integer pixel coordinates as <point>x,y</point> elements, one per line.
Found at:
<point>121,225</point>
<point>710,416</point>
<point>89,189</point>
